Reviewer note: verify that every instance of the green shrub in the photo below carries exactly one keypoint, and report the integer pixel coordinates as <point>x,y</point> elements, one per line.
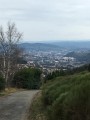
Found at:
<point>2,83</point>
<point>68,98</point>
<point>55,74</point>
<point>77,103</point>
<point>28,78</point>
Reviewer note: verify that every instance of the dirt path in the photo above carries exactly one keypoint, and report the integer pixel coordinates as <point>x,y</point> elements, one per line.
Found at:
<point>14,106</point>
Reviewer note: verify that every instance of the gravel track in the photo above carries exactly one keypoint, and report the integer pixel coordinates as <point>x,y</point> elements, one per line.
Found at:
<point>15,105</point>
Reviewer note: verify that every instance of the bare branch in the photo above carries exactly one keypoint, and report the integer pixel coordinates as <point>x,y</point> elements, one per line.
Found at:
<point>13,36</point>
<point>9,52</point>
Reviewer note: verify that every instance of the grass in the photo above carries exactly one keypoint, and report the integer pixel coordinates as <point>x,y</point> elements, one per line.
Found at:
<point>7,91</point>
<point>36,111</point>
<point>64,98</point>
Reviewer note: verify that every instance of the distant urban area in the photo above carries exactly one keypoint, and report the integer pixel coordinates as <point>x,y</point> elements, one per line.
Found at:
<point>51,57</point>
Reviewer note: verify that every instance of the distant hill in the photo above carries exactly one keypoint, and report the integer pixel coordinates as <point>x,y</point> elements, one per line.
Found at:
<point>39,47</point>
<point>57,46</point>
<point>80,56</point>
<point>73,44</point>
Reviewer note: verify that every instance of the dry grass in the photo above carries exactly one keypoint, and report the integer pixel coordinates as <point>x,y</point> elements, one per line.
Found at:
<point>9,91</point>
<point>36,111</point>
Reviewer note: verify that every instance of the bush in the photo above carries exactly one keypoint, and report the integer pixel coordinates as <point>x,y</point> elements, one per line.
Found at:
<point>89,67</point>
<point>68,98</point>
<point>55,74</point>
<point>28,78</point>
<point>2,83</point>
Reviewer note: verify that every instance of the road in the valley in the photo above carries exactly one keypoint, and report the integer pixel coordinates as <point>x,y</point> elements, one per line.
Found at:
<point>16,105</point>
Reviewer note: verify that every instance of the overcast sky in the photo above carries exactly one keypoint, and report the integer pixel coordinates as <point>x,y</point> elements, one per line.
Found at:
<point>41,20</point>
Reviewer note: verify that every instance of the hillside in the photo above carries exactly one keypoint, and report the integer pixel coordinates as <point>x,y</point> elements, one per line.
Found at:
<point>65,98</point>
<point>80,44</point>
<point>39,47</point>
<point>80,56</point>
<point>70,45</point>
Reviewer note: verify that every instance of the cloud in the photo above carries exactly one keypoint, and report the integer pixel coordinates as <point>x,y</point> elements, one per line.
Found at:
<point>49,19</point>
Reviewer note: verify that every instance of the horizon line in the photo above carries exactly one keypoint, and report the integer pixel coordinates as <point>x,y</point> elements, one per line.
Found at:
<point>49,41</point>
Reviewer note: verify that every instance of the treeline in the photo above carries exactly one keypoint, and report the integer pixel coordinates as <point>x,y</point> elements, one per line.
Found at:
<point>27,78</point>
<point>58,73</point>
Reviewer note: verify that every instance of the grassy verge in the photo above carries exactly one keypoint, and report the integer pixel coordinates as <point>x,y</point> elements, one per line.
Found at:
<point>63,98</point>
<point>68,98</point>
<point>37,111</point>
<point>8,91</point>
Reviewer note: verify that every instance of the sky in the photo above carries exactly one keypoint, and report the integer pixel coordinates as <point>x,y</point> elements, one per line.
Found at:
<point>48,20</point>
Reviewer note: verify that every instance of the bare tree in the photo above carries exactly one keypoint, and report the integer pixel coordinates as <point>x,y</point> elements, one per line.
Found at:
<point>9,51</point>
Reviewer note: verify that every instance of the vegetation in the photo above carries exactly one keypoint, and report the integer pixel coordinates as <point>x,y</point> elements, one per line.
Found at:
<point>2,83</point>
<point>10,57</point>
<point>8,91</point>
<point>55,74</point>
<point>9,52</point>
<point>66,98</point>
<point>21,60</point>
<point>58,73</point>
<point>37,111</point>
<point>28,78</point>
<point>80,56</point>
